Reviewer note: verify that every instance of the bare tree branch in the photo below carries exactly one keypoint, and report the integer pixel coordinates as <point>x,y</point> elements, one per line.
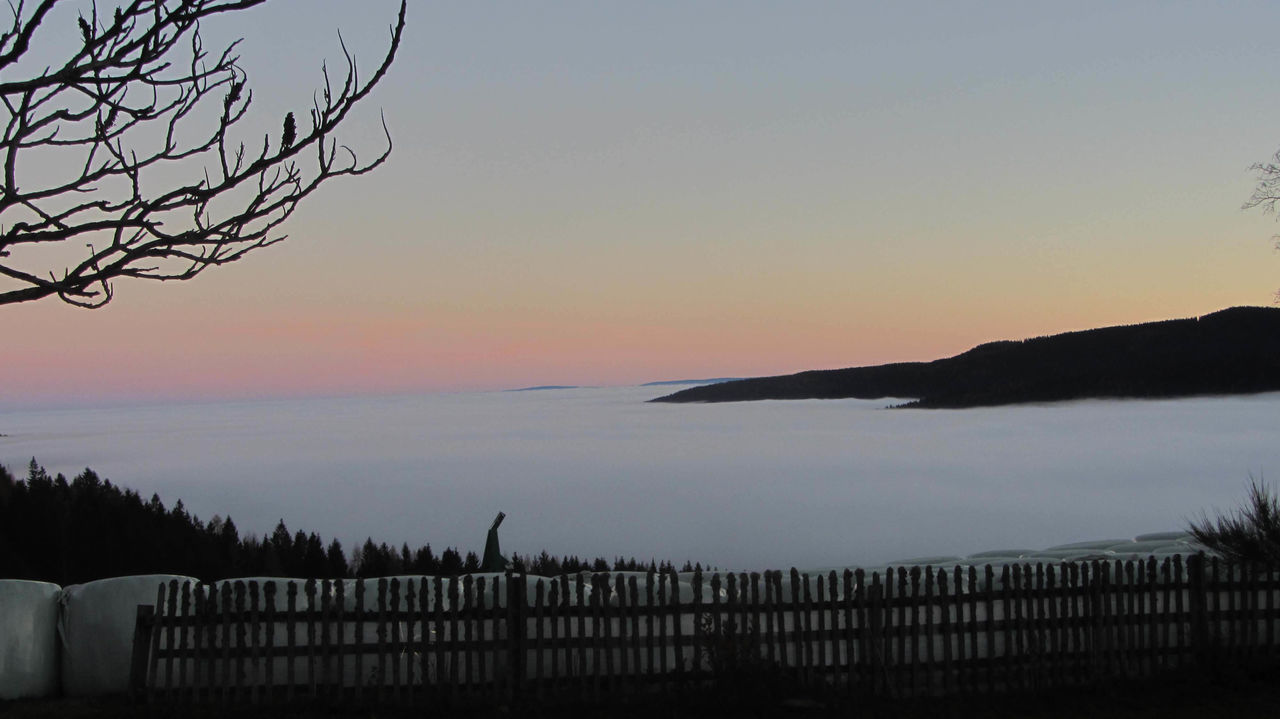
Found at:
<point>1267,193</point>
<point>127,106</point>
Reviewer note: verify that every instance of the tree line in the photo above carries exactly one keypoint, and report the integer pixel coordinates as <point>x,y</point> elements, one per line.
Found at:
<point>79,530</point>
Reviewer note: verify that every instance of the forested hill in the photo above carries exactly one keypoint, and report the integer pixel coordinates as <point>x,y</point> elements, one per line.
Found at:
<point>1234,351</point>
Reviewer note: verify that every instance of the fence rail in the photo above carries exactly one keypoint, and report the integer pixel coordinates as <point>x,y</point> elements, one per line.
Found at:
<point>908,631</point>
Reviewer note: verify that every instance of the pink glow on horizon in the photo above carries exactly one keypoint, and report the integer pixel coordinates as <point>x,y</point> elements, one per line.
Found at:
<point>68,356</point>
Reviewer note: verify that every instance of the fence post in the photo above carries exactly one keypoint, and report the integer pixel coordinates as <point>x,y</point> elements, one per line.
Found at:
<point>1199,598</point>
<point>141,641</point>
<point>515,635</point>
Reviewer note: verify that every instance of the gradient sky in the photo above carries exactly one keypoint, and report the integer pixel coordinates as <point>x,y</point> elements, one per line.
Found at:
<point>606,193</point>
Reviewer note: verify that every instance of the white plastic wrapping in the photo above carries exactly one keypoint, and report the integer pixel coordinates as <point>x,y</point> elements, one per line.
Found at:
<point>28,639</point>
<point>96,628</point>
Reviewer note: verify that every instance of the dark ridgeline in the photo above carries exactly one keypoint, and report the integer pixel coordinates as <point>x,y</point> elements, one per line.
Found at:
<point>1234,351</point>
<point>68,532</point>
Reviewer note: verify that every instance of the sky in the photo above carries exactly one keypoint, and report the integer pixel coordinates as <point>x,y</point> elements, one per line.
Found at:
<point>616,193</point>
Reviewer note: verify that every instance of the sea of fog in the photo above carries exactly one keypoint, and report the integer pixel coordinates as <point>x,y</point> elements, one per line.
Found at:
<point>600,472</point>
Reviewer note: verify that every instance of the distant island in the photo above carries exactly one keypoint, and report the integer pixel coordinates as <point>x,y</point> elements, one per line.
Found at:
<point>662,383</point>
<point>714,380</point>
<point>1233,351</point>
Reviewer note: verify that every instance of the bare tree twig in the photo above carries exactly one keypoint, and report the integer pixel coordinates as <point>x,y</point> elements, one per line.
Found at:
<point>127,106</point>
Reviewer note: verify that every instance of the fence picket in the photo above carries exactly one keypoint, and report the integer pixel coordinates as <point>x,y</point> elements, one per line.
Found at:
<point>357,638</point>
<point>409,648</point>
<point>662,624</point>
<point>875,627</point>
<point>1269,613</point>
<point>394,587</point>
<point>679,607</point>
<point>1039,624</point>
<point>633,596</point>
<point>1132,617</point>
<point>478,621</point>
<point>1248,630</point>
<point>850,636</point>
<point>539,637</point>
<point>1073,633</point>
<point>156,629</point>
<point>185,644</point>
<point>795,644</point>
<point>340,610</point>
<point>969,656</point>
<point>1151,635</point>
<point>900,624</point>
<point>442,640</point>
<point>553,617</point>
<point>380,631</point>
<point>255,656</point>
<point>914,617</point>
<point>864,650</point>
<point>650,578</point>
<point>817,641</point>
<point>453,639</point>
<point>167,616</point>
<point>779,618</point>
<point>596,639</point>
<point>204,644</point>
<point>470,654</point>
<point>1019,656</point>
<point>989,601</point>
<point>309,589</point>
<point>946,603</point>
<point>903,634</point>
<point>930,656</point>
<point>326,652</point>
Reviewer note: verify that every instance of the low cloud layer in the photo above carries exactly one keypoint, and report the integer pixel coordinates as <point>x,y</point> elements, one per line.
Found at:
<point>598,472</point>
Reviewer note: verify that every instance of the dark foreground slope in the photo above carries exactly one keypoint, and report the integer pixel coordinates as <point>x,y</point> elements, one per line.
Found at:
<point>1234,351</point>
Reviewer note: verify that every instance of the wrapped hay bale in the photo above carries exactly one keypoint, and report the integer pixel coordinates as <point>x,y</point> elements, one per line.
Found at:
<point>28,639</point>
<point>95,631</point>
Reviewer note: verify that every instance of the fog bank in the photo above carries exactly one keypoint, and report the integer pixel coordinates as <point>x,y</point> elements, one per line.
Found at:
<point>598,472</point>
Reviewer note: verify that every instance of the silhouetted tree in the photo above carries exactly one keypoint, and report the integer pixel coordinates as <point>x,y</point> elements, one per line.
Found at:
<point>374,560</point>
<point>139,117</point>
<point>425,562</point>
<point>391,560</point>
<point>472,563</point>
<point>336,560</point>
<point>450,562</point>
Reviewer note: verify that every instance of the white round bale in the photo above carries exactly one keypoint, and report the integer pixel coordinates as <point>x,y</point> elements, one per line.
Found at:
<point>28,639</point>
<point>96,631</point>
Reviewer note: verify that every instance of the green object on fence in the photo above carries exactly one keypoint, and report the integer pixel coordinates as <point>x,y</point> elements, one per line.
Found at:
<point>493,560</point>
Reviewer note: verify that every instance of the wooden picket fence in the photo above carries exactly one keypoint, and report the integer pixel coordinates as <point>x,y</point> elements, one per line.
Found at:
<point>911,631</point>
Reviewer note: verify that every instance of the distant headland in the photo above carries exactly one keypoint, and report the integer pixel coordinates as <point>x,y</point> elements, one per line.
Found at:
<point>713,380</point>
<point>1233,351</point>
